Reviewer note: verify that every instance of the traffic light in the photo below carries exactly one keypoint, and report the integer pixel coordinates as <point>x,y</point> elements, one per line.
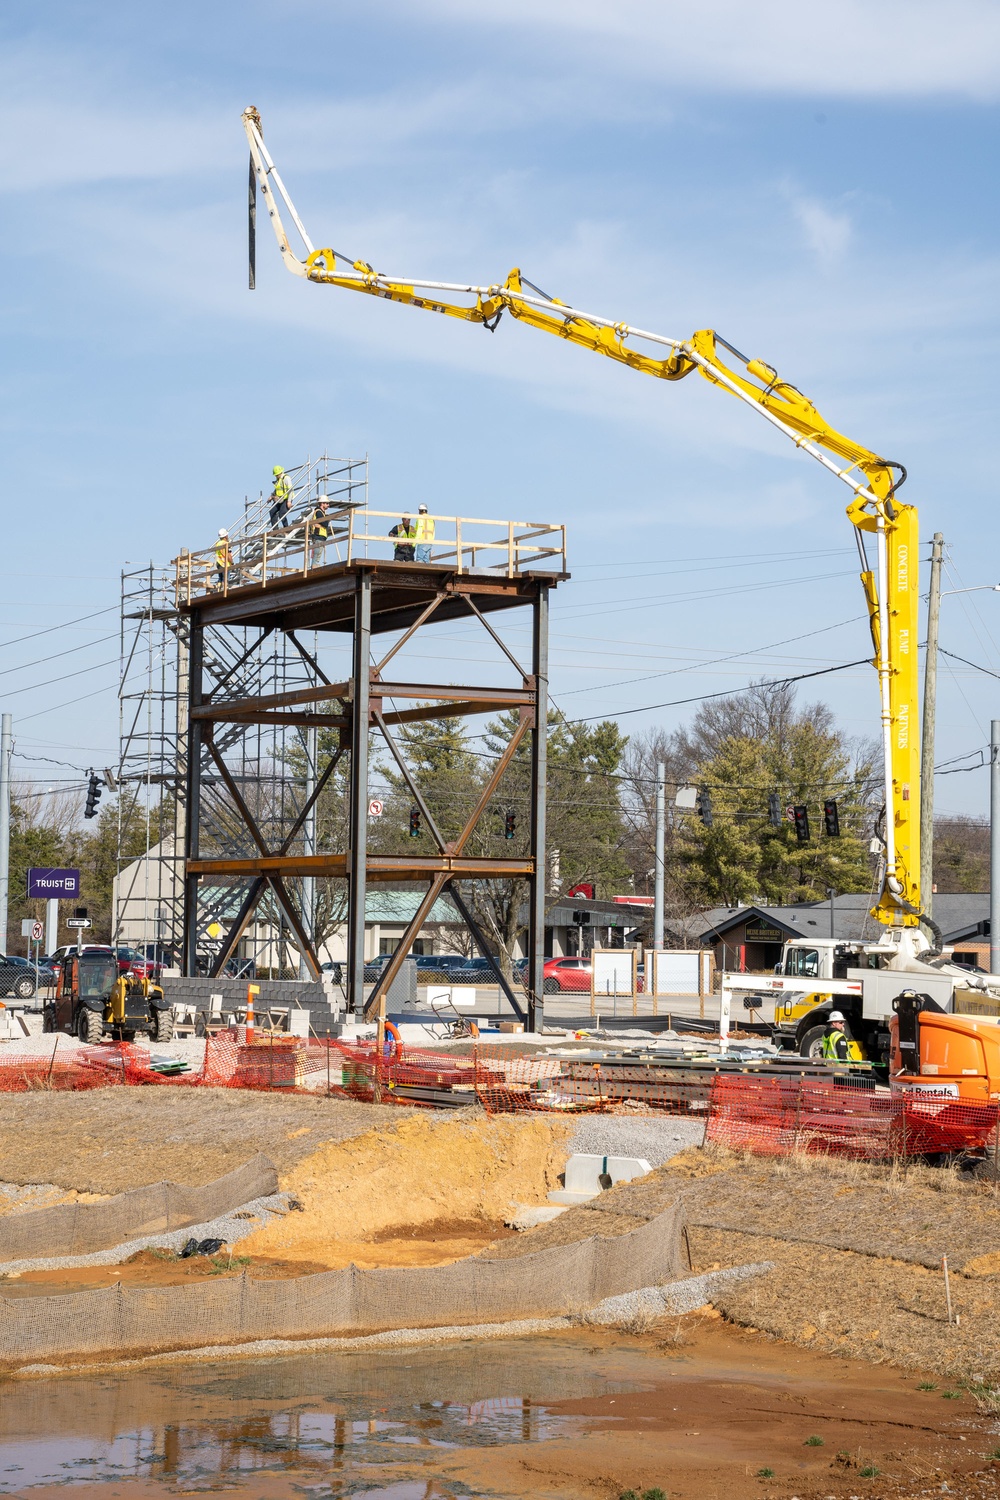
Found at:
<point>831,819</point>
<point>705,807</point>
<point>800,816</point>
<point>414,822</point>
<point>93,796</point>
<point>509,826</point>
<point>774,810</point>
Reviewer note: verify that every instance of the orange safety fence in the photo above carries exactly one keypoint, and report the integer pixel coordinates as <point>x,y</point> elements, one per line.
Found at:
<point>842,1114</point>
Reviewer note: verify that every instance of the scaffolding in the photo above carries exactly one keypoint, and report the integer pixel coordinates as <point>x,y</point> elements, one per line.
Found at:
<point>245,767</point>
<point>274,765</point>
<point>255,836</point>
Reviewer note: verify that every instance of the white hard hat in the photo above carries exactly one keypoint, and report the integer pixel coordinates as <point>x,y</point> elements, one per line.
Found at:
<point>223,531</point>
<point>836,1015</point>
<point>422,507</point>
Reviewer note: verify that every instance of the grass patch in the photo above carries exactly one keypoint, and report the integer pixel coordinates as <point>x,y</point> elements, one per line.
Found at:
<point>220,1264</point>
<point>870,1471</point>
<point>765,1473</point>
<point>951,1395</point>
<point>927,1385</point>
<point>813,1442</point>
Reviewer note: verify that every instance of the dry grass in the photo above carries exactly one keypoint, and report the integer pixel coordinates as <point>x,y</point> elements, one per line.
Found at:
<point>109,1140</point>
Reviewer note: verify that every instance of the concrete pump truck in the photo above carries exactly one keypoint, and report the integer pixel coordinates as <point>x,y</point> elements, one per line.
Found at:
<point>960,1048</point>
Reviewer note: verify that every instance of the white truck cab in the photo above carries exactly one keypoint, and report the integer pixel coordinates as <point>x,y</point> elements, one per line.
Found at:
<point>817,975</point>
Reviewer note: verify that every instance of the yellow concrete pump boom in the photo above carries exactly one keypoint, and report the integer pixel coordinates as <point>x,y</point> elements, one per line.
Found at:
<point>891,587</point>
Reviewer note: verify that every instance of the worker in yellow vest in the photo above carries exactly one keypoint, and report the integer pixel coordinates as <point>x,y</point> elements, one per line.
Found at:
<point>223,558</point>
<point>424,535</point>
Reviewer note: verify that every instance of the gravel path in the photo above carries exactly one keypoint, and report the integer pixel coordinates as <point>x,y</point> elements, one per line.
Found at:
<point>230,1228</point>
<point>656,1141</point>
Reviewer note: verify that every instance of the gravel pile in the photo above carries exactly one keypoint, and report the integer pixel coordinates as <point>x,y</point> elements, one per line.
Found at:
<point>655,1141</point>
<point>674,1297</point>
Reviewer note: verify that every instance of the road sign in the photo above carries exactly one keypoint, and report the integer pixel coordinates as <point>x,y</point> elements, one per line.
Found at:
<point>37,932</point>
<point>375,808</point>
<point>53,885</point>
<point>27,927</point>
<point>80,922</point>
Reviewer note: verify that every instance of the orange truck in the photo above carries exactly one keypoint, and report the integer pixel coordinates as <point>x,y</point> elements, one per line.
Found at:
<point>946,1069</point>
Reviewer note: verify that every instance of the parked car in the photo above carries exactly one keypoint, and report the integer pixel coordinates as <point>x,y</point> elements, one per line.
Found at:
<point>132,961</point>
<point>574,974</point>
<point>17,977</point>
<point>566,974</point>
<point>441,962</point>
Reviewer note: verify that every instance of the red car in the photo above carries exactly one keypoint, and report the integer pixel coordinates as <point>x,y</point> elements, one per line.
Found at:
<point>566,974</point>
<point>131,961</point>
<point>571,974</point>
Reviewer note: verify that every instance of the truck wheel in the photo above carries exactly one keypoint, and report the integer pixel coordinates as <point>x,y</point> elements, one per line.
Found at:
<point>162,1028</point>
<point>48,1018</point>
<point>89,1026</point>
<point>811,1044</point>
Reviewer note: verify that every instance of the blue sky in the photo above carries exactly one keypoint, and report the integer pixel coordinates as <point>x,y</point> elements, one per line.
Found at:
<point>817,183</point>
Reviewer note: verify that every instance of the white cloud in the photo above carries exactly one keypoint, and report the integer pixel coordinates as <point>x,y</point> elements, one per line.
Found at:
<point>826,232</point>
<point>848,48</point>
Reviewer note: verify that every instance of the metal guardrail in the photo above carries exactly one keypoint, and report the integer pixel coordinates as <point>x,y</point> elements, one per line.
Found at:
<point>298,546</point>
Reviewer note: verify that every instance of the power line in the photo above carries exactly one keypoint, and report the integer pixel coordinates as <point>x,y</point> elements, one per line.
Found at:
<point>965,662</point>
<point>725,693</point>
<point>84,646</point>
<point>64,626</point>
<point>713,661</point>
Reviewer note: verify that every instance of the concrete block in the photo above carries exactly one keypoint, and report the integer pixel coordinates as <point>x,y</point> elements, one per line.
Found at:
<point>298,1022</point>
<point>587,1175</point>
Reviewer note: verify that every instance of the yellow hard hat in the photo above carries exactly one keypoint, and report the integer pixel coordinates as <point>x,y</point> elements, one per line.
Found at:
<point>277,469</point>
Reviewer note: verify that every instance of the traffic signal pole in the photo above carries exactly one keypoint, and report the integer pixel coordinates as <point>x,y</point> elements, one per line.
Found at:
<point>6,746</point>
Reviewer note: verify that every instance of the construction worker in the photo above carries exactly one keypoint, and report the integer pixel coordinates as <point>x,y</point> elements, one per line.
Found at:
<point>319,533</point>
<point>424,535</point>
<point>837,1045</point>
<point>404,535</point>
<point>280,498</point>
<point>223,558</point>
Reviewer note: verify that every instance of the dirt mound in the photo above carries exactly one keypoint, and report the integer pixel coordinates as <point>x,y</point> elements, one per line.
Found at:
<point>420,1171</point>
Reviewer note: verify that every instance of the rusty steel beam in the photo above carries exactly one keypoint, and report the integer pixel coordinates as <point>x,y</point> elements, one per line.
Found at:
<point>380,866</point>
<point>239,706</point>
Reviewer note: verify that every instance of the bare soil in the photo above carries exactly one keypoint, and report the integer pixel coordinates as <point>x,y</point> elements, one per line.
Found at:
<point>692,1407</point>
<point>432,1244</point>
<point>728,1407</point>
<point>391,1184</point>
<point>109,1140</point>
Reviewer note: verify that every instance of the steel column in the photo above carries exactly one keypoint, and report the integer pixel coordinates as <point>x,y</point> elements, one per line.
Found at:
<point>192,828</point>
<point>539,758</point>
<point>357,858</point>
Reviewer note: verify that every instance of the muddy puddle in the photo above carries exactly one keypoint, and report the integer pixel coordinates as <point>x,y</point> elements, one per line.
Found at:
<point>696,1409</point>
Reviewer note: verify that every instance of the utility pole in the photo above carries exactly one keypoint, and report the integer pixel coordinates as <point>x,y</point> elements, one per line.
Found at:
<point>995,846</point>
<point>6,745</point>
<point>927,740</point>
<point>661,772</point>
